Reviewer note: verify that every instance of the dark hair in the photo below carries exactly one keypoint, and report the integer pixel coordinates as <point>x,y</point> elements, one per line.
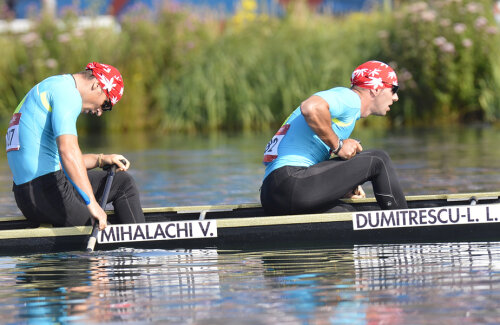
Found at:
<point>87,74</point>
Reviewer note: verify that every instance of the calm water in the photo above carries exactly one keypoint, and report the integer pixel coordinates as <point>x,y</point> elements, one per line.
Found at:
<point>445,283</point>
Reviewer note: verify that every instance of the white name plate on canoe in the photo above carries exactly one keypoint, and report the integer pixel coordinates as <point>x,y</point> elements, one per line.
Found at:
<point>157,231</point>
<point>455,215</point>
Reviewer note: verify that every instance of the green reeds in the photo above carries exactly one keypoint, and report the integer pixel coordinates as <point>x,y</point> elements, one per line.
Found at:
<point>192,73</point>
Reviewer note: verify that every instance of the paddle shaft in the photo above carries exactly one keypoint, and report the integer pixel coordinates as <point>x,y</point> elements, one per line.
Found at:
<point>95,228</point>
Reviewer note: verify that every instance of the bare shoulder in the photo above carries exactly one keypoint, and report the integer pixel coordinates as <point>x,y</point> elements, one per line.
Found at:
<point>313,103</point>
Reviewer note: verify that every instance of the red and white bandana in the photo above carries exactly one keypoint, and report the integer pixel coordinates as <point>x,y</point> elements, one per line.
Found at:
<point>374,75</point>
<point>110,80</point>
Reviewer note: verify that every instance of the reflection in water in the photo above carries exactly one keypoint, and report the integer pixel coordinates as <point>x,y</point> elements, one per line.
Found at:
<point>392,267</point>
<point>450,283</point>
<point>390,284</point>
<point>51,288</point>
<point>125,285</point>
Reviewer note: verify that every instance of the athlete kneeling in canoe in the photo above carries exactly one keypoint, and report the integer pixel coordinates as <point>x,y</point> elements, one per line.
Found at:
<point>53,182</point>
<point>311,163</point>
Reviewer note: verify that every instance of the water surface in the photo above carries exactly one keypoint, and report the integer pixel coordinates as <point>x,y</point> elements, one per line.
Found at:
<point>445,283</point>
<point>448,283</point>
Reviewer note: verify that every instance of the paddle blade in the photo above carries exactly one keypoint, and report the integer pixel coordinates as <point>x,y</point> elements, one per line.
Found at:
<point>91,244</point>
<point>93,237</point>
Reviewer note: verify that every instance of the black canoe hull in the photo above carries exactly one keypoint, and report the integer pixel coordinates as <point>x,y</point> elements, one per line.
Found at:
<point>245,226</point>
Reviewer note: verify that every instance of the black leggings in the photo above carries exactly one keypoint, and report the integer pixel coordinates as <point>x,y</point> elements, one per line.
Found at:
<point>319,188</point>
<point>52,199</point>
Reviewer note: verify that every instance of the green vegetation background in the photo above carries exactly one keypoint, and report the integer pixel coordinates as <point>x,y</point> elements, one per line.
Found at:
<point>191,73</point>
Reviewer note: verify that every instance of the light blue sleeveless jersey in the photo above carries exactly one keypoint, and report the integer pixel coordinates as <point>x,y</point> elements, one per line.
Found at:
<point>300,146</point>
<point>50,109</point>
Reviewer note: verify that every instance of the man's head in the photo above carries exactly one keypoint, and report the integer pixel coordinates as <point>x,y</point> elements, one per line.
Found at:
<point>109,79</point>
<point>377,84</point>
<point>101,87</point>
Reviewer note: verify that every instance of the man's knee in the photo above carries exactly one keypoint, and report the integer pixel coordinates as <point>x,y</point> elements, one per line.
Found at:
<point>381,156</point>
<point>125,182</point>
<point>124,178</point>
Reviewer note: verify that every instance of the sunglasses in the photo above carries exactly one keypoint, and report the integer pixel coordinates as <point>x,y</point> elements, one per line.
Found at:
<point>394,88</point>
<point>106,106</point>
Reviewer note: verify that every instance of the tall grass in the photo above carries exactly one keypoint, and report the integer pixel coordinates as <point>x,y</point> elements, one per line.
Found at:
<point>253,78</point>
<point>186,72</point>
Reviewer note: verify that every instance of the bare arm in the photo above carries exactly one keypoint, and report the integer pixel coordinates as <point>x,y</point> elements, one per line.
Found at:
<point>91,160</point>
<point>76,167</point>
<point>317,115</point>
<point>316,112</point>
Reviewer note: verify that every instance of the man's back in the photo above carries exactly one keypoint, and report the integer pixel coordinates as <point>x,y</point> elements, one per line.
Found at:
<point>50,109</point>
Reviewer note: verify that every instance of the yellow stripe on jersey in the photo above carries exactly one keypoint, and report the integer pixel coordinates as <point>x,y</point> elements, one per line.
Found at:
<point>340,123</point>
<point>45,102</point>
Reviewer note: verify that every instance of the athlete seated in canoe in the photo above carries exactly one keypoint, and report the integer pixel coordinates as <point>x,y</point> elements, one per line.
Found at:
<point>53,182</point>
<point>311,163</point>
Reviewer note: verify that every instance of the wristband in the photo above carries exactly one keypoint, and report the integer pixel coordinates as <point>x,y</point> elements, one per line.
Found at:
<point>341,143</point>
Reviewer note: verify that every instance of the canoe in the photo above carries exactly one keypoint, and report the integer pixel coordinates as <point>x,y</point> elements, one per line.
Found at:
<point>429,218</point>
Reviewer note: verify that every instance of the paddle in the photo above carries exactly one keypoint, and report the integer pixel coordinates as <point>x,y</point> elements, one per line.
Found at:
<point>95,228</point>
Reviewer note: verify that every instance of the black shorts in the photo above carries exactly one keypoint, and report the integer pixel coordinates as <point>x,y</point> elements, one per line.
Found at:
<point>318,188</point>
<point>52,199</point>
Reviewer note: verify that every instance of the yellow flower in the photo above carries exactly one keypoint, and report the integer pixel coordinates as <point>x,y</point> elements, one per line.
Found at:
<point>246,13</point>
<point>249,5</point>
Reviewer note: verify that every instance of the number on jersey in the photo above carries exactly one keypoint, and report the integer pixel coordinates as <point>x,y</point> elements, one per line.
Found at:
<point>12,137</point>
<point>271,151</point>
